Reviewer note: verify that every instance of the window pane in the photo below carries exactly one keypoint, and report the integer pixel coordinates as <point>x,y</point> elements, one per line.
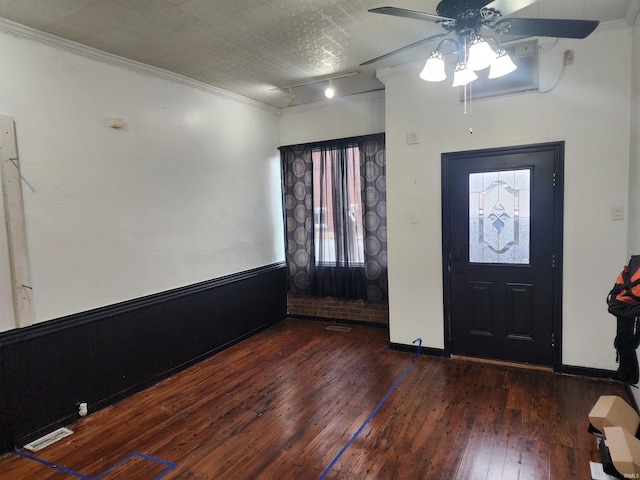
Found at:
<point>499,217</point>
<point>337,207</point>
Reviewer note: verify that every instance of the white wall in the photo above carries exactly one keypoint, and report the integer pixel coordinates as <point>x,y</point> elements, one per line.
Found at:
<point>188,191</point>
<point>589,110</point>
<point>336,118</point>
<point>634,164</point>
<point>634,170</point>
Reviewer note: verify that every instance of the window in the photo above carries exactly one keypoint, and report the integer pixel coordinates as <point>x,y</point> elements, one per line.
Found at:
<point>499,216</point>
<point>335,217</point>
<point>337,206</point>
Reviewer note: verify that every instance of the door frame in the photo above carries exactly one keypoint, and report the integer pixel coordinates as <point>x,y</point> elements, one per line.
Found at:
<point>558,216</point>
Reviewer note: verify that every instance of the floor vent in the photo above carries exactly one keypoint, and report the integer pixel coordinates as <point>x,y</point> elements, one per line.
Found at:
<point>338,328</point>
<point>48,439</point>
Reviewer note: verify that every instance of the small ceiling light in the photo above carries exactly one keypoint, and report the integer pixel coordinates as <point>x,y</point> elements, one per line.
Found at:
<point>502,64</point>
<point>481,55</point>
<point>433,70</point>
<point>463,75</point>
<point>329,92</point>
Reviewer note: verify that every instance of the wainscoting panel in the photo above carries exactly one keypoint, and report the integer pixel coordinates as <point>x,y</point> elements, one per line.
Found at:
<point>104,355</point>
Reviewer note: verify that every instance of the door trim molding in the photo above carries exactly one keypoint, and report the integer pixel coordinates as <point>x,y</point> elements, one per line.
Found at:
<point>558,216</point>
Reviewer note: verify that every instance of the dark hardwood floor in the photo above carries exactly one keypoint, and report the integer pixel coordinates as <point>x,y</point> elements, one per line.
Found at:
<point>282,404</point>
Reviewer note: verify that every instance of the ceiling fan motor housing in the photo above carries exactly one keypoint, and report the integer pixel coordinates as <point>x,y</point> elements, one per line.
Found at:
<point>467,16</point>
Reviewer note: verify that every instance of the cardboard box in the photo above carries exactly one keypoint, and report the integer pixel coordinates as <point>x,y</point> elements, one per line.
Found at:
<point>613,411</point>
<point>624,451</point>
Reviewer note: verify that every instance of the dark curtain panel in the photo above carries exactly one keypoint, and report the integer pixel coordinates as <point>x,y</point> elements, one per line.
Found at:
<point>297,188</point>
<point>374,200</point>
<point>335,218</point>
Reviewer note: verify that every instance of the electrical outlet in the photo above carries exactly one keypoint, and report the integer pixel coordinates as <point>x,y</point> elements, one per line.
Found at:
<point>568,57</point>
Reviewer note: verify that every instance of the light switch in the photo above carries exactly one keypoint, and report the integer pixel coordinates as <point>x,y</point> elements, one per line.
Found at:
<point>617,212</point>
<point>414,217</point>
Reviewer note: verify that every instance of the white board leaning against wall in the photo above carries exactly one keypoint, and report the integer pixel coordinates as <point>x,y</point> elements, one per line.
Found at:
<point>15,278</point>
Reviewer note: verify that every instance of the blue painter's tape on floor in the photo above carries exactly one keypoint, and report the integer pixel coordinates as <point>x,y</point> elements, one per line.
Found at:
<point>170,465</point>
<point>355,435</point>
<point>51,465</point>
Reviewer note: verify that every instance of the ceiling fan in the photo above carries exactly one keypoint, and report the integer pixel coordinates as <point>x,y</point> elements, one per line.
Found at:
<point>466,20</point>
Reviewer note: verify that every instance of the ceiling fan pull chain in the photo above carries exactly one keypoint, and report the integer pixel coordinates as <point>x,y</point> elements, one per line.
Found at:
<point>470,99</point>
<point>465,98</point>
<point>466,85</point>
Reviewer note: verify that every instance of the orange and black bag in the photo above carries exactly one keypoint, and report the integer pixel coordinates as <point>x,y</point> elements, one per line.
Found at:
<point>627,287</point>
<point>624,303</point>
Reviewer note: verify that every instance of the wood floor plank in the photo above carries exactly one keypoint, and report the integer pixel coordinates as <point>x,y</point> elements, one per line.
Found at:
<point>475,461</point>
<point>535,459</point>
<point>282,404</point>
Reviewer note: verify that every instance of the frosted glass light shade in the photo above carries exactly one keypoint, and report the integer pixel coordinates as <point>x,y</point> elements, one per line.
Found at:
<point>502,65</point>
<point>463,75</point>
<point>433,70</point>
<point>481,55</point>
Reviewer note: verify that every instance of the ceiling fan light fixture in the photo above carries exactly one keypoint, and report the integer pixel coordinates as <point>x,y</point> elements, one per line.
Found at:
<point>502,65</point>
<point>463,75</point>
<point>464,20</point>
<point>433,70</point>
<point>481,55</point>
<point>330,92</point>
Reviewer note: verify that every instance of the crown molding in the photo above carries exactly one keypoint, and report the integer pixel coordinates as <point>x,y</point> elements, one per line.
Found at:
<point>383,74</point>
<point>632,13</point>
<point>21,31</point>
<point>621,23</point>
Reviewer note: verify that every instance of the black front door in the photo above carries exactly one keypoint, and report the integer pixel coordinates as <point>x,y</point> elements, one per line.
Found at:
<point>502,239</point>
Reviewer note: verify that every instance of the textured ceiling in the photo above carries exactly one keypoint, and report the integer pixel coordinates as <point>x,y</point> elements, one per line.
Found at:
<point>252,47</point>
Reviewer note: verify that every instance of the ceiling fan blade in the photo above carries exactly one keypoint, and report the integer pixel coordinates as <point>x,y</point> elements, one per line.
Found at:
<point>406,47</point>
<point>401,12</point>
<point>546,27</point>
<point>507,7</point>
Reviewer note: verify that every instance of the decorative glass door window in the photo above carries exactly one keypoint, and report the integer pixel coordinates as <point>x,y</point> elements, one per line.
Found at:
<point>499,216</point>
